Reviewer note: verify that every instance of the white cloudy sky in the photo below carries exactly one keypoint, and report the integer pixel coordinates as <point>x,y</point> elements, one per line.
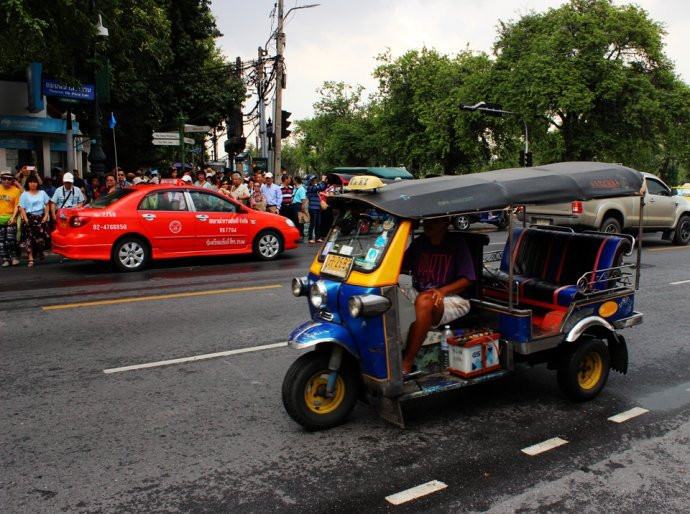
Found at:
<point>340,39</point>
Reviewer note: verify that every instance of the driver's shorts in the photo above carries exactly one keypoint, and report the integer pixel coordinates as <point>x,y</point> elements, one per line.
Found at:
<point>454,305</point>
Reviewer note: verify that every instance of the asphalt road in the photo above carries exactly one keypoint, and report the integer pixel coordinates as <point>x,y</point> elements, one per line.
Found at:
<point>212,436</point>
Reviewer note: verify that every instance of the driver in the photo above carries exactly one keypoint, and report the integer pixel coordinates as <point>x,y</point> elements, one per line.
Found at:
<point>442,272</point>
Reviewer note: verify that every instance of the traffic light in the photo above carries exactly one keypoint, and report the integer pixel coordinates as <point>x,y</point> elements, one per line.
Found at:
<point>525,159</point>
<point>284,124</point>
<point>235,145</point>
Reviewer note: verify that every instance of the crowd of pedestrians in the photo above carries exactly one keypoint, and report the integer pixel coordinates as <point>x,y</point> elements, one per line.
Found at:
<point>29,203</point>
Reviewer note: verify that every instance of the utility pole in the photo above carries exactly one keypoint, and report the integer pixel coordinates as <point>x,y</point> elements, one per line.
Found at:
<point>280,82</point>
<point>262,106</point>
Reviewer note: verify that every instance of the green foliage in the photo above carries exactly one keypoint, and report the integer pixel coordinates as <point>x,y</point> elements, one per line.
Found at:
<point>588,80</point>
<point>597,75</point>
<point>163,62</point>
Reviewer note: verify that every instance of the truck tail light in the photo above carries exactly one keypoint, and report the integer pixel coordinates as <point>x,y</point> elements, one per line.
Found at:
<point>577,207</point>
<point>79,221</point>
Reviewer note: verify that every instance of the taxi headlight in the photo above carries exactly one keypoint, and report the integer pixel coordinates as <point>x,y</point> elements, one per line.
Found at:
<point>289,222</point>
<point>299,286</point>
<point>318,295</point>
<point>368,305</point>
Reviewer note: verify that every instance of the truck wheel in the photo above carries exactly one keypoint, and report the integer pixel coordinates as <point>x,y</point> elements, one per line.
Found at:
<point>304,392</point>
<point>610,225</point>
<point>584,369</point>
<point>682,234</point>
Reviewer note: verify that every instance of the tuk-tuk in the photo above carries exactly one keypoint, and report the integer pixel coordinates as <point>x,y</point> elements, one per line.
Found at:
<point>550,296</point>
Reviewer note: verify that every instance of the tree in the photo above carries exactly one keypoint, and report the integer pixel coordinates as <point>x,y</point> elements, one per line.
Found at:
<point>591,80</point>
<point>420,118</point>
<point>163,62</point>
<point>340,133</point>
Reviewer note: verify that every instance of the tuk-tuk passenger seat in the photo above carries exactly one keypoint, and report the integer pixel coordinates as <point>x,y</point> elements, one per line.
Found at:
<point>548,265</point>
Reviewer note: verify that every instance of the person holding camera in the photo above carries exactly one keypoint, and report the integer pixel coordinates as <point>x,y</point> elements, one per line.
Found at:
<point>25,172</point>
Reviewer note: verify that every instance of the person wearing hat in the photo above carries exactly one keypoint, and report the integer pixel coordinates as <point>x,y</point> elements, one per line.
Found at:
<point>155,179</point>
<point>273,194</point>
<point>9,204</point>
<point>66,196</point>
<point>186,178</point>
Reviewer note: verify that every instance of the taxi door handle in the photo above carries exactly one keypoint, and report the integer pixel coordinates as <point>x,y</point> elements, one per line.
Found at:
<point>149,217</point>
<point>201,217</point>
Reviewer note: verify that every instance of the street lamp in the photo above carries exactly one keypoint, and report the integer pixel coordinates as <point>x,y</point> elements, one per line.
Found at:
<point>97,156</point>
<point>492,109</point>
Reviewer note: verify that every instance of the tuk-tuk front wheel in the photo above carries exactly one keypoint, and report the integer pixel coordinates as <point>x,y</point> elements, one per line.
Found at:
<point>584,369</point>
<point>305,395</point>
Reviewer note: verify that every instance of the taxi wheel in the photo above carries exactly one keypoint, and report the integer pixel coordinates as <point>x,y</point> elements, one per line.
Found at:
<point>268,245</point>
<point>584,369</point>
<point>682,234</point>
<point>130,254</point>
<point>304,392</point>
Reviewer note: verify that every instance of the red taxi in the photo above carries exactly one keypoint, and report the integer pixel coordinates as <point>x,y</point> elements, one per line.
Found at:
<point>135,224</point>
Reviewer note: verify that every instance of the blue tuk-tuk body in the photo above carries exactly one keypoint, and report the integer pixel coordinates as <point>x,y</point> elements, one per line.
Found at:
<point>551,295</point>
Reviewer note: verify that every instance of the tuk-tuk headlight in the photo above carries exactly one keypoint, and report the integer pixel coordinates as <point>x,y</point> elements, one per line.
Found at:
<point>368,305</point>
<point>318,295</point>
<point>299,286</point>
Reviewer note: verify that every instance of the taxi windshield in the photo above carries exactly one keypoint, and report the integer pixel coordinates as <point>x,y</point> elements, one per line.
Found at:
<point>362,233</point>
<point>105,201</point>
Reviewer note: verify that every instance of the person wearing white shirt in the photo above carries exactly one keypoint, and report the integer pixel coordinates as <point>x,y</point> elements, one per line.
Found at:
<point>273,194</point>
<point>66,195</point>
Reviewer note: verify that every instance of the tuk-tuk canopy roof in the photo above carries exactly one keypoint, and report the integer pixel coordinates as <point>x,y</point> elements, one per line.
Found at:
<point>551,183</point>
<point>380,172</point>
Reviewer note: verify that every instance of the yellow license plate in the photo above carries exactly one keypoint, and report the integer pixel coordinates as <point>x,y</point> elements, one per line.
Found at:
<point>337,265</point>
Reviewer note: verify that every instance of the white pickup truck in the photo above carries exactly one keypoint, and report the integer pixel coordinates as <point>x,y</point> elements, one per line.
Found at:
<point>663,211</point>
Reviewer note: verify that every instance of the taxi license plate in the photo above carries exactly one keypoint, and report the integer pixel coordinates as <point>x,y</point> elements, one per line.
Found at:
<point>337,265</point>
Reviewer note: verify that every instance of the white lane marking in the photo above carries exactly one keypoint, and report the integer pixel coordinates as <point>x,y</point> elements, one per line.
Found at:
<point>416,492</point>
<point>680,282</point>
<point>628,414</point>
<point>196,358</point>
<point>545,446</point>
<point>496,244</point>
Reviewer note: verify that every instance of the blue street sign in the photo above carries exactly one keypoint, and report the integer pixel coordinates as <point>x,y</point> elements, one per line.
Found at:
<point>195,150</point>
<point>55,88</point>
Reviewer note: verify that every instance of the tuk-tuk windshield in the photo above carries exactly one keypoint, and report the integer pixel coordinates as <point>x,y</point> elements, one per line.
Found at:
<point>363,233</point>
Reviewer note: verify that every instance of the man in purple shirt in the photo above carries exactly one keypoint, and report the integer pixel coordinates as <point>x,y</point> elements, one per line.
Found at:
<point>442,272</point>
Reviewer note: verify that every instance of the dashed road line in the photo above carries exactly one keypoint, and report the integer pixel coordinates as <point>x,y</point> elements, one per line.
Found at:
<point>628,414</point>
<point>195,358</point>
<point>416,492</point>
<point>680,282</point>
<point>158,297</point>
<point>667,248</point>
<point>545,446</point>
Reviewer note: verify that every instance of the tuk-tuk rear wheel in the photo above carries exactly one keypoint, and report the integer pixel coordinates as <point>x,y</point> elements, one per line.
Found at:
<point>583,370</point>
<point>304,391</point>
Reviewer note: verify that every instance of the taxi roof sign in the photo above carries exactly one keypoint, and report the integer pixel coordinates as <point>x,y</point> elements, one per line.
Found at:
<point>364,183</point>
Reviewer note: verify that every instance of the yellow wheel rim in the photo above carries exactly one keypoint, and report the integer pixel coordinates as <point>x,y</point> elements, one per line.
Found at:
<point>315,393</point>
<point>591,369</point>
